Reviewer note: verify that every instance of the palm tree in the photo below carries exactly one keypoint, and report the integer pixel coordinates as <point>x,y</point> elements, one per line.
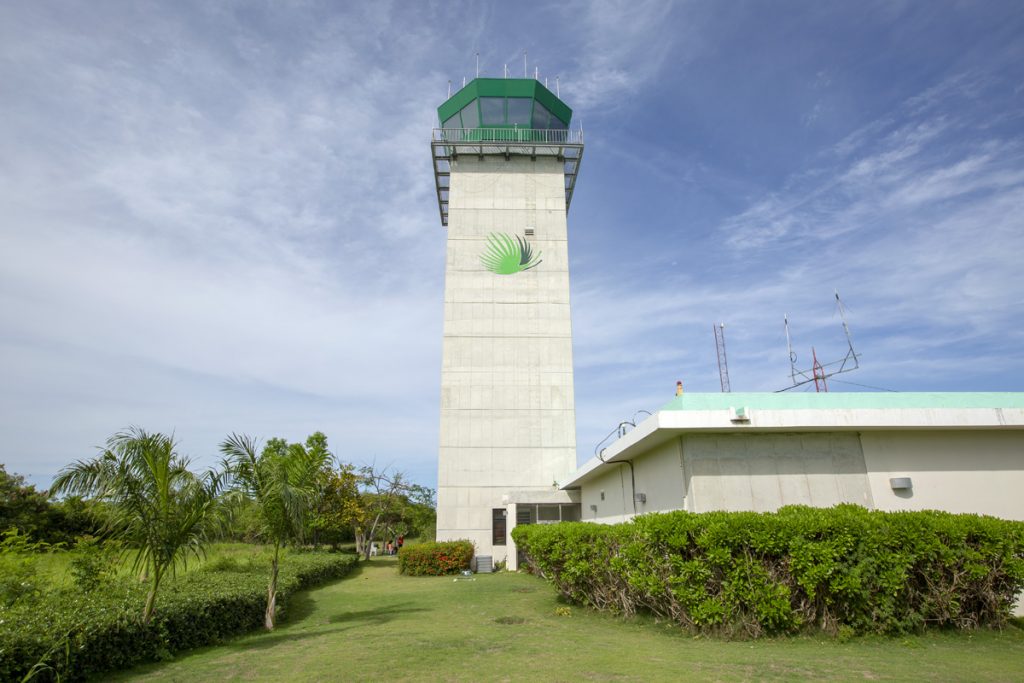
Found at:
<point>283,482</point>
<point>159,508</point>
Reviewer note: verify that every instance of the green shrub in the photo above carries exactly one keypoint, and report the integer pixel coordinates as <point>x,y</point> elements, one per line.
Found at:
<point>18,577</point>
<point>94,562</point>
<point>435,558</point>
<point>101,629</point>
<point>839,570</point>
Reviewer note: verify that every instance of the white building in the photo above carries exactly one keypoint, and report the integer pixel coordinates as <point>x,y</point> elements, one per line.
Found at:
<point>960,452</point>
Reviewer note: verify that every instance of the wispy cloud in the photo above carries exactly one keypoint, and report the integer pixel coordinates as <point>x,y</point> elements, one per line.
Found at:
<point>917,218</point>
<point>622,45</point>
<point>221,216</point>
<point>244,210</point>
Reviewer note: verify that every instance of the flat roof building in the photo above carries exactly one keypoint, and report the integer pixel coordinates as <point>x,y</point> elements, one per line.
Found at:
<point>960,452</point>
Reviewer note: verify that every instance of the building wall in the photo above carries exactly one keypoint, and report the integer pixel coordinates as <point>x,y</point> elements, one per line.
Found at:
<point>507,417</point>
<point>976,471</point>
<point>957,471</point>
<point>763,472</point>
<point>658,474</point>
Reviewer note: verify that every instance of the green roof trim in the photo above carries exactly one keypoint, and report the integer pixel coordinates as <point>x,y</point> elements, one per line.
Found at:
<point>847,400</point>
<point>504,87</point>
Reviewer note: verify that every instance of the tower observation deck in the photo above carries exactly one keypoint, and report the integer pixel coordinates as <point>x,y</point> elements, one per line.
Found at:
<point>505,166</point>
<point>506,116</point>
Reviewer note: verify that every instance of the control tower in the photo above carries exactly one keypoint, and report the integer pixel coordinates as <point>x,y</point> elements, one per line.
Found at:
<point>505,166</point>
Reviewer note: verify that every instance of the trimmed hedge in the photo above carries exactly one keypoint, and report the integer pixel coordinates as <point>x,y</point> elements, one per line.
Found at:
<point>435,559</point>
<point>80,634</point>
<point>840,570</point>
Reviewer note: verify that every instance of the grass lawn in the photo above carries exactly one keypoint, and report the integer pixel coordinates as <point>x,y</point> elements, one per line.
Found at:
<point>377,625</point>
<point>55,568</point>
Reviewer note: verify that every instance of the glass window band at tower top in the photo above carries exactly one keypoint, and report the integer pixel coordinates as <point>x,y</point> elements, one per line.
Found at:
<point>504,103</point>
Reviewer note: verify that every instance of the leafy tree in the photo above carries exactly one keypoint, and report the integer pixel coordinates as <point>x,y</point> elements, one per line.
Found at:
<point>282,480</point>
<point>339,507</point>
<point>391,505</point>
<point>21,506</point>
<point>162,511</point>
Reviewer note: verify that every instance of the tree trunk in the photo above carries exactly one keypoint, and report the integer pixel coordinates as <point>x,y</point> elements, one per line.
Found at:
<point>368,541</point>
<point>268,618</point>
<point>147,611</point>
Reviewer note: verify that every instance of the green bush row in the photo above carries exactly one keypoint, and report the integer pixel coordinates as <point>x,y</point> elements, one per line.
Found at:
<point>82,633</point>
<point>842,570</point>
<point>435,559</point>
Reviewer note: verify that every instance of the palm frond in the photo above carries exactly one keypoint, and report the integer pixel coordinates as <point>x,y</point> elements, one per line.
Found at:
<point>505,255</point>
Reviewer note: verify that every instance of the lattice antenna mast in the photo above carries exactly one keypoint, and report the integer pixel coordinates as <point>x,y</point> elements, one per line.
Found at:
<point>850,354</point>
<point>723,363</point>
<point>818,371</point>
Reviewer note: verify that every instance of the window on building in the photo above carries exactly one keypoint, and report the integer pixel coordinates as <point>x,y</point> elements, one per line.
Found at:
<point>453,122</point>
<point>470,115</point>
<point>548,514</point>
<point>519,109</point>
<point>498,526</point>
<point>572,512</point>
<point>492,111</point>
<point>541,117</point>
<point>524,514</point>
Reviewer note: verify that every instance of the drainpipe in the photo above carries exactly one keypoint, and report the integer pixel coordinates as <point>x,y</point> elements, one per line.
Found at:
<point>620,430</point>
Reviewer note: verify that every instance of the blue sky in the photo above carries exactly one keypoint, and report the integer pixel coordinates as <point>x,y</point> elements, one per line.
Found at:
<point>219,217</point>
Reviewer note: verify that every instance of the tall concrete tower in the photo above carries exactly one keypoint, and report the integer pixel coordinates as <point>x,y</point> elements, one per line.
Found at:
<point>505,165</point>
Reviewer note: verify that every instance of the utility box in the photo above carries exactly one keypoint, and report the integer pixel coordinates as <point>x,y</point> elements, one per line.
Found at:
<point>483,564</point>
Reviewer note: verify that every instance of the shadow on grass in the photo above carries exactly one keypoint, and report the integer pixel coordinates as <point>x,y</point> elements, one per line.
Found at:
<point>342,621</point>
<point>380,615</point>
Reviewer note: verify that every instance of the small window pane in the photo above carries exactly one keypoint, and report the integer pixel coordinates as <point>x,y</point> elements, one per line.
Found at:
<point>523,515</point>
<point>498,526</point>
<point>453,122</point>
<point>557,123</point>
<point>471,116</point>
<point>541,116</point>
<point>548,513</point>
<point>519,110</point>
<point>571,513</point>
<point>492,110</point>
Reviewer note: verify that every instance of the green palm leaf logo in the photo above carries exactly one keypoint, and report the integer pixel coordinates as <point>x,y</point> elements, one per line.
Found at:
<point>506,255</point>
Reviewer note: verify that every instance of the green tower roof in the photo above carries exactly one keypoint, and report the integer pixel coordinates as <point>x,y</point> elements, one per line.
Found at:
<point>504,117</point>
<point>504,103</point>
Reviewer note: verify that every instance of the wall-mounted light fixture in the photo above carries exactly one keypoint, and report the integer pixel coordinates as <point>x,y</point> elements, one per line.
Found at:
<point>901,483</point>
